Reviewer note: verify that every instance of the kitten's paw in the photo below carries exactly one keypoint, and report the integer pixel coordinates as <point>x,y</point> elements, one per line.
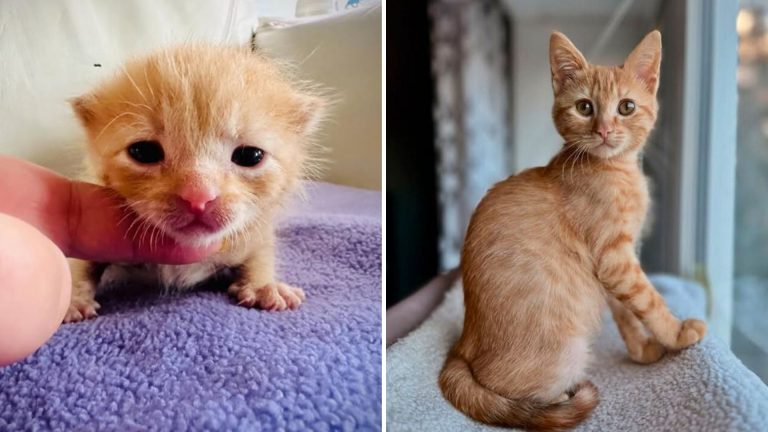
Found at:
<point>691,331</point>
<point>275,296</point>
<point>650,352</point>
<point>81,309</point>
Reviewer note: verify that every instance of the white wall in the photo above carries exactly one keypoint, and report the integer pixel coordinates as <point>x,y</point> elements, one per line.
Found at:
<point>534,138</point>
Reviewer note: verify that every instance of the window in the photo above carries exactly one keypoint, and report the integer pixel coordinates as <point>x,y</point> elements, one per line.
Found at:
<point>750,330</point>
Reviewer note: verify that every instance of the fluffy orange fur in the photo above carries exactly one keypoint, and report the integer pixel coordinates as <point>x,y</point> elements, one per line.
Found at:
<point>548,248</point>
<point>200,103</point>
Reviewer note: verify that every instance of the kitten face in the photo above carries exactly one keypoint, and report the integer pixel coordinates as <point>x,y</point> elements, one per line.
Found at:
<point>202,141</point>
<point>605,111</point>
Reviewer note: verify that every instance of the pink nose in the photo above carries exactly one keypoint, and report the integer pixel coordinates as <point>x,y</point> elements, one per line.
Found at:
<point>603,130</point>
<point>197,198</point>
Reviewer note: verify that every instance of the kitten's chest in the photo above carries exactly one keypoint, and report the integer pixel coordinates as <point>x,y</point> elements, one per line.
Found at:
<point>178,277</point>
<point>222,266</point>
<point>184,276</point>
<point>627,202</point>
<point>618,204</point>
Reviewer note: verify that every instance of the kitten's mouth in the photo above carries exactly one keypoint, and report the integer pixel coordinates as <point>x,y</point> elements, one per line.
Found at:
<point>605,143</point>
<point>198,226</point>
<point>604,148</point>
<point>188,227</point>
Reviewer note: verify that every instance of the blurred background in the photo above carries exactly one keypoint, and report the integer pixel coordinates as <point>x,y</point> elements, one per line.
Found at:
<point>469,99</point>
<point>750,335</point>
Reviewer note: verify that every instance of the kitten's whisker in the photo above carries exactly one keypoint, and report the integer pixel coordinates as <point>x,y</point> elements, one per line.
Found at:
<point>149,85</point>
<point>135,105</point>
<point>140,233</point>
<point>152,238</point>
<point>574,160</point>
<point>122,219</point>
<point>145,225</point>
<point>150,232</point>
<point>130,78</point>
<point>138,221</point>
<point>160,233</point>
<point>114,119</point>
<point>565,162</point>
<point>583,157</point>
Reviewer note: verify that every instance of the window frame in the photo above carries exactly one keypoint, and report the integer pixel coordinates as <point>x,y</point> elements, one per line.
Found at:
<point>708,157</point>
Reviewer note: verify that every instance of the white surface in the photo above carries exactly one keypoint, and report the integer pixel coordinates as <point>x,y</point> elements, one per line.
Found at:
<point>343,54</point>
<point>305,8</point>
<point>702,388</point>
<point>276,8</point>
<point>314,7</point>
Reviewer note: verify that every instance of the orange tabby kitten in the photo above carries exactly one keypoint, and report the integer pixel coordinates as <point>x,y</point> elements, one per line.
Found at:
<point>547,248</point>
<point>204,143</point>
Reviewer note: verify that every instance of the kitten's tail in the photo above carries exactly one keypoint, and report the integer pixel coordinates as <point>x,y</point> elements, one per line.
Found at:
<point>470,397</point>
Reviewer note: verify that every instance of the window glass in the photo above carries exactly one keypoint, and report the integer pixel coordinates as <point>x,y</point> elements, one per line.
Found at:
<point>750,330</point>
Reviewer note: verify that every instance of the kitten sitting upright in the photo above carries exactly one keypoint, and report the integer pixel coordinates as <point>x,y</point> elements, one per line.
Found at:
<point>204,143</point>
<point>546,249</point>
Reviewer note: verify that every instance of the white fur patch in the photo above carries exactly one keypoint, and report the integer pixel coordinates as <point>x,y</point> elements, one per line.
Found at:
<point>574,360</point>
<point>177,276</point>
<point>184,276</point>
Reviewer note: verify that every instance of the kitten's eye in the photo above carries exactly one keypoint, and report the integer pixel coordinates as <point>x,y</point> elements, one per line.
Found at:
<point>626,107</point>
<point>146,152</point>
<point>584,107</point>
<point>247,156</point>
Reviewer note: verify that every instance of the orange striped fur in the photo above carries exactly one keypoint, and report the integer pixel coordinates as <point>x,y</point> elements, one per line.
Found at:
<point>548,248</point>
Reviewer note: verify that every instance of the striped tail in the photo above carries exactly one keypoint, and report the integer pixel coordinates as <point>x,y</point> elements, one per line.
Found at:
<point>470,397</point>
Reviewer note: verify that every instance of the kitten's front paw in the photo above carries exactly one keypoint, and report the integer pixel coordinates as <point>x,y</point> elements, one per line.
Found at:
<point>81,309</point>
<point>691,331</point>
<point>650,351</point>
<point>275,296</point>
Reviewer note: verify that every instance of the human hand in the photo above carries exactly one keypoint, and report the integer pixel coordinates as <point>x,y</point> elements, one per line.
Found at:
<point>85,220</point>
<point>35,291</point>
<point>43,217</point>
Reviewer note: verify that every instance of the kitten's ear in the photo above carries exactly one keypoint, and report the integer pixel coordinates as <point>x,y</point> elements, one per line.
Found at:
<point>308,114</point>
<point>644,61</point>
<point>83,108</point>
<point>565,60</point>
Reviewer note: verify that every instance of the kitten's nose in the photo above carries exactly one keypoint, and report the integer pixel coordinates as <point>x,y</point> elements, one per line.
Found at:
<point>604,130</point>
<point>197,198</point>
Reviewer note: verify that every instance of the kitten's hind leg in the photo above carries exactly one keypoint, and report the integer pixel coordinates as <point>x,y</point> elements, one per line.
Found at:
<point>85,280</point>
<point>642,347</point>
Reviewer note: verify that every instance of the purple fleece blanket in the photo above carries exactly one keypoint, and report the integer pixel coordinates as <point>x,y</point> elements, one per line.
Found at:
<point>196,361</point>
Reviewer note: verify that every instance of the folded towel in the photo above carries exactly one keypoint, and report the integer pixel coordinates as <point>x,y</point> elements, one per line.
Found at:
<point>197,361</point>
<point>703,388</point>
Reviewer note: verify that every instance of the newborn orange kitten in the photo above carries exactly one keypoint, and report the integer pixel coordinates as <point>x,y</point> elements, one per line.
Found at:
<point>547,248</point>
<point>204,143</point>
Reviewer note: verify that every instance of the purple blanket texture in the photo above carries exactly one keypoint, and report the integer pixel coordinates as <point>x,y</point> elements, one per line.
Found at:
<point>196,361</point>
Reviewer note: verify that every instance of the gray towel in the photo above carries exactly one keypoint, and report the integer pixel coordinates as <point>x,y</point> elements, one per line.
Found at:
<point>702,389</point>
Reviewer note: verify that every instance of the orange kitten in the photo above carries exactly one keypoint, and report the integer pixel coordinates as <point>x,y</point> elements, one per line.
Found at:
<point>204,143</point>
<point>547,248</point>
